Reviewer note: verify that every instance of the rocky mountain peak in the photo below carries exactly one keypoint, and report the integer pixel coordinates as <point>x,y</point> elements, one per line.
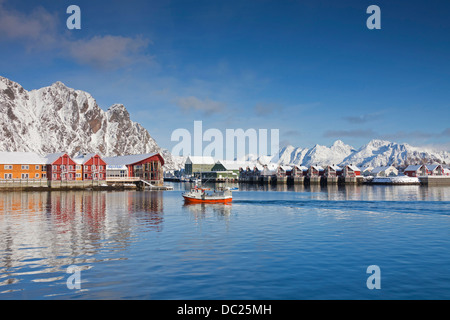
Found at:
<point>58,118</point>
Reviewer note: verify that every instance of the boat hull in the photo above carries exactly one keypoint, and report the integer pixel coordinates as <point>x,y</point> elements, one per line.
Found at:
<point>211,200</point>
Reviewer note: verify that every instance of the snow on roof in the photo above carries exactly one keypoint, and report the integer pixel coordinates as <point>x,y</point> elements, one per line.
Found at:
<point>303,168</point>
<point>335,168</point>
<point>83,158</point>
<point>286,168</point>
<point>432,167</point>
<point>200,160</point>
<point>235,165</point>
<point>381,169</point>
<point>413,167</point>
<point>353,168</point>
<point>52,157</point>
<point>258,166</point>
<point>318,168</point>
<point>21,158</point>
<point>127,160</point>
<point>271,166</point>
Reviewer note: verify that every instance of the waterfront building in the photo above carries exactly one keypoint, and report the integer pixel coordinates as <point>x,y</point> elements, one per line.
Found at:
<point>284,171</point>
<point>22,165</point>
<point>60,167</point>
<point>384,171</point>
<point>415,170</point>
<point>90,167</point>
<point>299,171</point>
<point>195,164</point>
<point>351,171</point>
<point>147,167</point>
<point>233,166</point>
<point>315,171</point>
<point>333,171</point>
<point>434,170</point>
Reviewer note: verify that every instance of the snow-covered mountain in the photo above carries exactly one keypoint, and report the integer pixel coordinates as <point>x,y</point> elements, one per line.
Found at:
<point>381,153</point>
<point>58,118</point>
<point>61,119</point>
<point>375,153</point>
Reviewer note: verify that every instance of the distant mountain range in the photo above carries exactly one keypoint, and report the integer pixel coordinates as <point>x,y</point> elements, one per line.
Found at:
<point>61,119</point>
<point>375,153</point>
<point>58,118</point>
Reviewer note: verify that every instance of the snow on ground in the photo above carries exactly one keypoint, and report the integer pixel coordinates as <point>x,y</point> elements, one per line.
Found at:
<point>396,180</point>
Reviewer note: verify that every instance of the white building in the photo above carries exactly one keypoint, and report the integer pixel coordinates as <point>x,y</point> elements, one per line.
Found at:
<point>384,171</point>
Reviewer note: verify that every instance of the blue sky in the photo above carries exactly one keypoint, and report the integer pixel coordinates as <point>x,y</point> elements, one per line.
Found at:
<point>309,68</point>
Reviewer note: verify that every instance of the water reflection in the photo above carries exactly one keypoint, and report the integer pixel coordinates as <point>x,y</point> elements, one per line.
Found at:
<point>200,210</point>
<point>41,233</point>
<point>356,192</point>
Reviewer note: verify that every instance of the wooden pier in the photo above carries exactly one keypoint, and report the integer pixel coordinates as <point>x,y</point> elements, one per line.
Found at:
<point>435,180</point>
<point>303,180</point>
<point>108,184</point>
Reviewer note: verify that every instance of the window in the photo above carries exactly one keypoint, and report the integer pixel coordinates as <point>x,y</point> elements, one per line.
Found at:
<point>8,176</point>
<point>44,168</point>
<point>78,167</point>
<point>70,176</point>
<point>86,168</point>
<point>44,176</point>
<point>55,168</point>
<point>24,175</point>
<point>8,167</point>
<point>78,175</point>
<point>37,176</point>
<point>100,167</point>
<point>54,176</point>
<point>37,167</point>
<point>63,167</point>
<point>93,167</point>
<point>25,167</point>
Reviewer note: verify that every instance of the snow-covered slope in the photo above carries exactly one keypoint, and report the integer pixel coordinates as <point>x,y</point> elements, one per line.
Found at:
<point>375,153</point>
<point>61,119</point>
<point>381,153</point>
<point>58,118</point>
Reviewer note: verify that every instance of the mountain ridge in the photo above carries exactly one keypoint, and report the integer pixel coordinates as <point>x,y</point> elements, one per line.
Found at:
<point>57,118</point>
<point>375,153</point>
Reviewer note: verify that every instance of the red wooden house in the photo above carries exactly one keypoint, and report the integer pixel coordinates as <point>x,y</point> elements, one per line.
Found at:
<point>351,171</point>
<point>435,170</point>
<point>60,167</point>
<point>415,170</point>
<point>333,171</point>
<point>299,171</point>
<point>284,171</point>
<point>316,171</point>
<point>147,167</point>
<point>93,167</point>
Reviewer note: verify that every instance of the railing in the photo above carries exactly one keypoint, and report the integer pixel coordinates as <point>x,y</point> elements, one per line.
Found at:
<point>29,180</point>
<point>119,179</point>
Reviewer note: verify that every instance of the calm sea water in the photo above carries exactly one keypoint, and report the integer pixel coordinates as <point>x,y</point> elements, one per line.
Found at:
<point>270,243</point>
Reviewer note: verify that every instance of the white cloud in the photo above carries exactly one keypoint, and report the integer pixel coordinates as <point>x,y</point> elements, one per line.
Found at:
<point>109,52</point>
<point>41,30</point>
<point>36,29</point>
<point>207,106</point>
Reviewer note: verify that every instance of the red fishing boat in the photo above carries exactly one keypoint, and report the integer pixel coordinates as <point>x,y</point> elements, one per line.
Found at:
<point>200,195</point>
